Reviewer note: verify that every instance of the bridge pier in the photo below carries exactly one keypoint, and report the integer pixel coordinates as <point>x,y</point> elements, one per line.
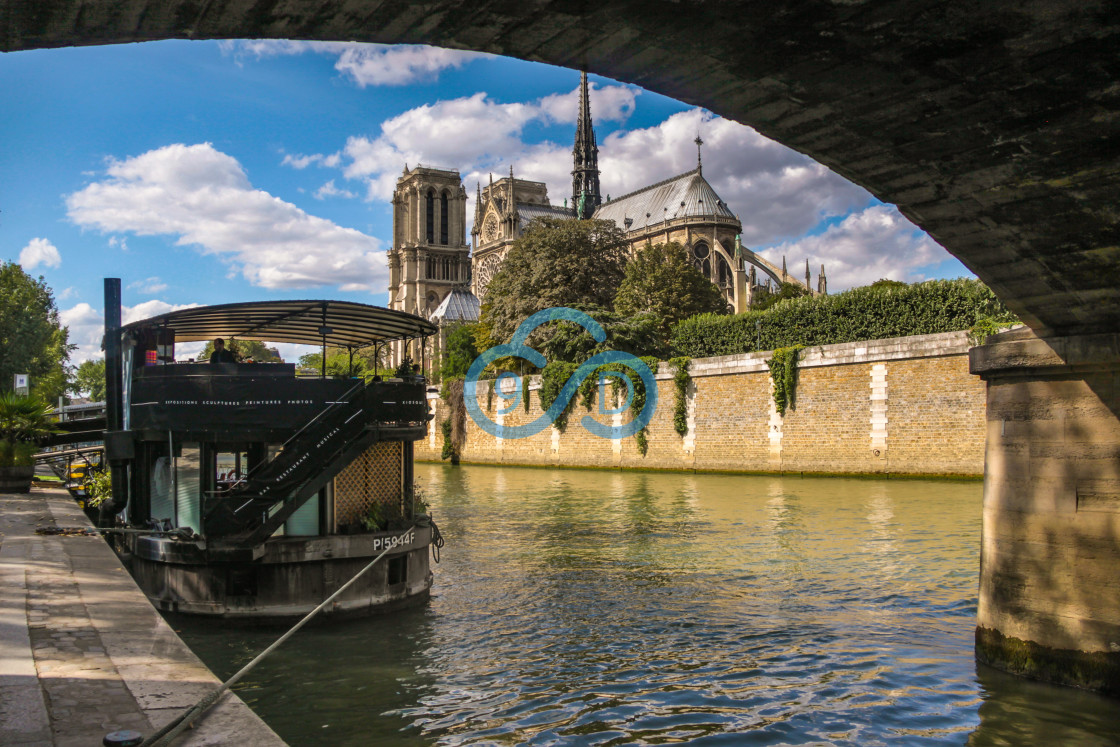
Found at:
<point>1049,605</point>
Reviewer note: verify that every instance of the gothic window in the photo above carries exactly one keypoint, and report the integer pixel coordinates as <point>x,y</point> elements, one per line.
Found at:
<point>443,219</point>
<point>433,302</point>
<point>490,228</point>
<point>487,268</point>
<point>701,259</point>
<point>431,201</point>
<point>726,278</point>
<point>430,269</point>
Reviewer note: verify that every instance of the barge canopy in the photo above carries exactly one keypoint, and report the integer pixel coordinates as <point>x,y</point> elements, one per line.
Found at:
<point>343,324</point>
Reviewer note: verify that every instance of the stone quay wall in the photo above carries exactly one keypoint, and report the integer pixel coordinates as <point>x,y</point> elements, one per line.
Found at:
<point>902,406</point>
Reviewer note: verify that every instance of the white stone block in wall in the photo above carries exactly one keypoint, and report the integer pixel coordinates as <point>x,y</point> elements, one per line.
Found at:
<point>879,403</point>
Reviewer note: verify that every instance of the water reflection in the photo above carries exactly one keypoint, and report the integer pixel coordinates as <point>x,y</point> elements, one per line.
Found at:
<point>581,607</point>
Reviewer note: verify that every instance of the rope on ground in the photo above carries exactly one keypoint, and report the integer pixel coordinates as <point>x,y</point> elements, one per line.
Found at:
<point>177,726</point>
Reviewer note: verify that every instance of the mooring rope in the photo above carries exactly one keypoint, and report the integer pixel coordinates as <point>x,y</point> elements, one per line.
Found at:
<point>168,733</point>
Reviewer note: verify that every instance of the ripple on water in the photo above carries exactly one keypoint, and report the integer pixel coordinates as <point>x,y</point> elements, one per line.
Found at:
<point>583,608</point>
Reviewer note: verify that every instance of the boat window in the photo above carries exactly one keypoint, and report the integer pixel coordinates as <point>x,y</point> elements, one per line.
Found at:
<point>188,494</point>
<point>229,468</point>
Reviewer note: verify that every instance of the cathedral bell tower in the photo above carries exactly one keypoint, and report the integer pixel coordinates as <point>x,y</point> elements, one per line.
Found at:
<point>430,254</point>
<point>585,159</point>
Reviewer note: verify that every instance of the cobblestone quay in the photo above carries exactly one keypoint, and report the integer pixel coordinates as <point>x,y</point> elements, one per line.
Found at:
<point>82,652</point>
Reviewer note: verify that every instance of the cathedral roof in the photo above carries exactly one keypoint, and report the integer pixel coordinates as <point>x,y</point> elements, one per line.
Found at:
<point>527,212</point>
<point>684,196</point>
<point>459,306</point>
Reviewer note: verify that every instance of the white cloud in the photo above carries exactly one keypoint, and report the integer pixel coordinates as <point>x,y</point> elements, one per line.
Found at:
<point>87,325</point>
<point>608,104</point>
<point>865,246</point>
<point>150,286</point>
<point>365,64</point>
<point>67,293</point>
<point>39,252</point>
<point>476,135</point>
<point>204,198</point>
<point>329,190</point>
<point>302,161</point>
<point>376,65</point>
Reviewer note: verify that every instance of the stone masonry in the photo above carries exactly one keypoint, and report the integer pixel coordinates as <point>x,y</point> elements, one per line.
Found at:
<point>82,652</point>
<point>900,406</point>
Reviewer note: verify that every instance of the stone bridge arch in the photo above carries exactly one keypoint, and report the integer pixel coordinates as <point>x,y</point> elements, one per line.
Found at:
<point>994,126</point>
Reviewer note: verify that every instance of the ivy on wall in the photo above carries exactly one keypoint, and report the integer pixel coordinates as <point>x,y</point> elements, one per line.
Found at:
<point>553,378</point>
<point>445,431</point>
<point>783,373</point>
<point>525,391</point>
<point>681,379</point>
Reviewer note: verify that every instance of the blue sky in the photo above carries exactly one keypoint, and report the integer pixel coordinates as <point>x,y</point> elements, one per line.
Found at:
<point>212,172</point>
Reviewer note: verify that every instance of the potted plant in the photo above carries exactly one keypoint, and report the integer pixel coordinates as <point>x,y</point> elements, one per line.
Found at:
<point>23,420</point>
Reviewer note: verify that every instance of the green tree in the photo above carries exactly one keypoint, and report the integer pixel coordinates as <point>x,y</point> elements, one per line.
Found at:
<point>555,263</point>
<point>89,379</point>
<point>32,340</point>
<point>459,351</point>
<point>638,334</point>
<point>888,284</point>
<point>339,363</point>
<point>661,281</point>
<point>245,350</point>
<point>765,298</point>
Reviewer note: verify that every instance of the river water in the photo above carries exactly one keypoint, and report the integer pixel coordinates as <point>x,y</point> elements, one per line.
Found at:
<point>606,608</point>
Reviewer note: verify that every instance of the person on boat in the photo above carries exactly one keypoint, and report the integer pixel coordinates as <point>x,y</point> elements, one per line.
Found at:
<point>220,354</point>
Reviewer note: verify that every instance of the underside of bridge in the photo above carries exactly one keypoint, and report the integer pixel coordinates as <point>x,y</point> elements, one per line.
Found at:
<point>994,126</point>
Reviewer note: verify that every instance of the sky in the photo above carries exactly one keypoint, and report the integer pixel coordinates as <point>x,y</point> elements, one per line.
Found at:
<point>217,172</point>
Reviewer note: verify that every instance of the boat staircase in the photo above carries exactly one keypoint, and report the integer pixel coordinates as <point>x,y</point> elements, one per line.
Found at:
<point>253,509</point>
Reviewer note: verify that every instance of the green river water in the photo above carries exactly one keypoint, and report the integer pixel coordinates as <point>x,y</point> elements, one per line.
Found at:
<point>577,607</point>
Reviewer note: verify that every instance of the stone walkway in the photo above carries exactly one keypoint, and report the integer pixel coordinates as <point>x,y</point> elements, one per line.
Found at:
<point>82,652</point>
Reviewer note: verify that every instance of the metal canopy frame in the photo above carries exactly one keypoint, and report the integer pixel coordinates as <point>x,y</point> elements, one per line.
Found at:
<point>343,324</point>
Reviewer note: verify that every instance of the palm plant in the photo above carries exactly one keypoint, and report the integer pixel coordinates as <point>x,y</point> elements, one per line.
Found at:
<point>23,420</point>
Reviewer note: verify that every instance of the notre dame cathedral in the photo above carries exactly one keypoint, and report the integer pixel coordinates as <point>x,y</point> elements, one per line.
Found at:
<point>434,273</point>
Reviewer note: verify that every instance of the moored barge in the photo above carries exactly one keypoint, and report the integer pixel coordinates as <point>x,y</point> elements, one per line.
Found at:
<point>251,492</point>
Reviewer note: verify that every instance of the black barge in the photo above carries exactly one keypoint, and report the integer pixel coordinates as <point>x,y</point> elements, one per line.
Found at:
<point>255,493</point>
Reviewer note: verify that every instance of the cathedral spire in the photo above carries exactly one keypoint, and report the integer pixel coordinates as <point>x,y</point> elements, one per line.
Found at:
<point>477,204</point>
<point>699,163</point>
<point>585,159</point>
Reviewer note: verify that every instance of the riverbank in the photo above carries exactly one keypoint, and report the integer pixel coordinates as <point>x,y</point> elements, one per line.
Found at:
<point>82,652</point>
<point>901,407</point>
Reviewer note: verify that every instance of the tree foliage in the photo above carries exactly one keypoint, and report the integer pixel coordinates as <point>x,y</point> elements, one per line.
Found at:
<point>245,350</point>
<point>89,379</point>
<point>459,351</point>
<point>764,298</point>
<point>32,340</point>
<point>638,334</point>
<point>867,313</point>
<point>661,281</point>
<point>340,364</point>
<point>555,263</point>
